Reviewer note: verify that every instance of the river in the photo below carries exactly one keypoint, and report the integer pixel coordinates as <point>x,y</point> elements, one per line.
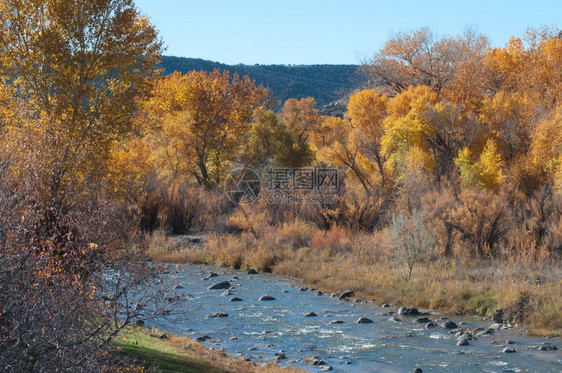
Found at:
<point>259,330</point>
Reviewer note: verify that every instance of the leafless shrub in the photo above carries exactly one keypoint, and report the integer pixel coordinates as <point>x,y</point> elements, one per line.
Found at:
<point>409,239</point>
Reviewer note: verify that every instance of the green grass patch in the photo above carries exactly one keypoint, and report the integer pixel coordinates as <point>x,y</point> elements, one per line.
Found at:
<point>151,352</point>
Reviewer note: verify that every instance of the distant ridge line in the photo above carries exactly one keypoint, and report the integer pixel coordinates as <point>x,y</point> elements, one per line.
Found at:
<point>326,83</point>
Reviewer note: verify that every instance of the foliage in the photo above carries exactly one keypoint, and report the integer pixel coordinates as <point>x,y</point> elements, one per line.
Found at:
<point>196,123</point>
<point>78,66</point>
<point>486,172</point>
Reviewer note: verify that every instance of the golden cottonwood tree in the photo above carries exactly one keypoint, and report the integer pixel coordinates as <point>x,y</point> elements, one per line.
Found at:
<point>367,110</point>
<point>198,122</point>
<point>340,147</point>
<point>271,142</point>
<point>301,118</point>
<point>78,65</point>
<point>419,58</point>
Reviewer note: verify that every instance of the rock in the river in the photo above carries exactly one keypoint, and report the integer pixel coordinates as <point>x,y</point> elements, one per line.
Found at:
<point>395,319</point>
<point>252,348</point>
<point>417,370</point>
<point>422,320</point>
<point>498,316</point>
<point>318,293</point>
<point>509,350</point>
<point>233,338</point>
<point>484,332</point>
<point>327,368</point>
<point>336,322</point>
<point>179,287</point>
<point>545,346</point>
<point>385,305</point>
<point>449,325</point>
<point>220,285</point>
<point>266,297</point>
<point>252,271</point>
<point>334,295</point>
<point>311,314</point>
<point>462,342</point>
<point>495,326</point>
<point>318,362</point>
<point>346,294</point>
<point>203,338</point>
<point>408,311</point>
<point>218,314</point>
<point>430,325</point>
<point>235,299</point>
<point>226,293</point>
<point>364,320</point>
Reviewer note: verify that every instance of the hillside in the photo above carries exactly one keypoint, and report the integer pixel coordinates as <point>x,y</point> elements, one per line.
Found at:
<point>326,83</point>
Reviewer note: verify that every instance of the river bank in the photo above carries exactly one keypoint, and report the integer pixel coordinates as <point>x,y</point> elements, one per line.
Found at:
<point>523,294</point>
<point>165,352</point>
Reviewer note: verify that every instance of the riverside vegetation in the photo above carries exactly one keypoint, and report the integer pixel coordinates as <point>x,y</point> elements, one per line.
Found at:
<point>449,192</point>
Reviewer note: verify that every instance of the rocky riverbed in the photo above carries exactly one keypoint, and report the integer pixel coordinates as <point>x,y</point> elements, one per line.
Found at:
<point>265,318</point>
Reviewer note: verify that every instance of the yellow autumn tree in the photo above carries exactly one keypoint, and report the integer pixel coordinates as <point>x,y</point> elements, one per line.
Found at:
<point>197,123</point>
<point>546,147</point>
<point>486,171</point>
<point>340,148</point>
<point>367,110</point>
<point>407,127</point>
<point>78,66</point>
<point>301,118</point>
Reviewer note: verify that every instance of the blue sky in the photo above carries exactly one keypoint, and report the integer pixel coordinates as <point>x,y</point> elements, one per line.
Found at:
<point>328,31</point>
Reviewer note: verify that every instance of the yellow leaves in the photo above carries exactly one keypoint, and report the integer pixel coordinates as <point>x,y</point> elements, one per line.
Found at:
<point>486,172</point>
<point>196,122</point>
<point>546,145</point>
<point>415,96</point>
<point>367,110</point>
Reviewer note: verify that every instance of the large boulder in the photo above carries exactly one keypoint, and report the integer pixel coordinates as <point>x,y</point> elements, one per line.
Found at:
<point>266,297</point>
<point>408,311</point>
<point>364,320</point>
<point>449,325</point>
<point>220,285</point>
<point>346,294</point>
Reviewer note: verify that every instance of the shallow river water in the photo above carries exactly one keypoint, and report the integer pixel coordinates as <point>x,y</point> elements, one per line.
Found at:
<point>264,328</point>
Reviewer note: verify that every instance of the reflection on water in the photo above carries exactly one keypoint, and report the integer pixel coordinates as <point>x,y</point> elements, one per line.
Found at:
<point>263,328</point>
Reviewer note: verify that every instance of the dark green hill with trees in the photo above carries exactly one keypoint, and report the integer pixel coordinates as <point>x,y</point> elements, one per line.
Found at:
<point>326,83</point>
